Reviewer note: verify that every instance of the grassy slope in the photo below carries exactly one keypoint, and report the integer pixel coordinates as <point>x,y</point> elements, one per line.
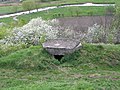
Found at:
<point>93,67</point>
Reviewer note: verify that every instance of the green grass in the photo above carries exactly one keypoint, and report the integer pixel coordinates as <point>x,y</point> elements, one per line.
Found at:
<point>66,12</point>
<point>7,20</point>
<point>11,9</point>
<point>93,67</point>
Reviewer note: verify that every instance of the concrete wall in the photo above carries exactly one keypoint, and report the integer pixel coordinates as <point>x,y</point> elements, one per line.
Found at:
<point>62,51</point>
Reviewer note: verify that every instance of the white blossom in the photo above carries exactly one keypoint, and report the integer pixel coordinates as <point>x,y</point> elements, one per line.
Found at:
<point>33,31</point>
<point>96,33</point>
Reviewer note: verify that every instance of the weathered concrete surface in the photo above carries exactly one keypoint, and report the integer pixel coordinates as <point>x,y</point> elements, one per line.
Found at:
<point>61,46</point>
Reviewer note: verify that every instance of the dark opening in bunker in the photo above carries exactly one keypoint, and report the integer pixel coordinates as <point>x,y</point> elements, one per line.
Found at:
<point>58,57</point>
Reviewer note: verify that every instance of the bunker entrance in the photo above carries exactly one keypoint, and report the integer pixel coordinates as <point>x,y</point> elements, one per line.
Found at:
<point>58,57</point>
<point>60,47</point>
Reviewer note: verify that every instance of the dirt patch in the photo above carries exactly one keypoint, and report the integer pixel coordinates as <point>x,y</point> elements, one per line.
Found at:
<point>82,23</point>
<point>12,4</point>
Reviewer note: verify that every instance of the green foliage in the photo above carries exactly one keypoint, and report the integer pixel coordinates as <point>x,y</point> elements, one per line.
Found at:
<point>6,50</point>
<point>11,9</point>
<point>95,55</point>
<point>110,10</point>
<point>86,69</point>
<point>31,58</point>
<point>116,23</point>
<point>42,39</point>
<point>3,32</point>
<point>65,12</point>
<point>48,0</point>
<point>93,67</point>
<point>15,8</point>
<point>89,56</point>
<point>28,5</point>
<point>83,85</point>
<point>61,12</point>
<point>21,22</point>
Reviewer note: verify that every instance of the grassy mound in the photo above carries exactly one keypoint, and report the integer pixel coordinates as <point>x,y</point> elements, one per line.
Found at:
<point>89,56</point>
<point>93,67</point>
<point>30,58</point>
<point>95,56</point>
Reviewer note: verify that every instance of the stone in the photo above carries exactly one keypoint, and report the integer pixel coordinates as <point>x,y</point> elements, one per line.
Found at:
<point>61,46</point>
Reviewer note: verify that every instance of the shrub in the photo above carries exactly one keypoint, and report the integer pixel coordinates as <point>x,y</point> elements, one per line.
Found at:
<point>116,23</point>
<point>95,33</point>
<point>32,32</point>
<point>6,50</point>
<point>100,34</point>
<point>3,32</point>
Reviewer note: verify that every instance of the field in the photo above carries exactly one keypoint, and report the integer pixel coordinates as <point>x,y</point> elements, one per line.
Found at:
<point>11,9</point>
<point>61,13</point>
<point>67,12</point>
<point>29,67</point>
<point>93,67</point>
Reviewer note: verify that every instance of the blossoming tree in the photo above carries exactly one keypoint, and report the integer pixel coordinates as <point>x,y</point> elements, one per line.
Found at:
<point>33,32</point>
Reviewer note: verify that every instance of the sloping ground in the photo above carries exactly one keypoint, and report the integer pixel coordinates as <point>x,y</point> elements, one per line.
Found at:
<point>94,67</point>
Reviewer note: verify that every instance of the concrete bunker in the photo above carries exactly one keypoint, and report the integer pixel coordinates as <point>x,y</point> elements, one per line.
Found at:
<point>59,47</point>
